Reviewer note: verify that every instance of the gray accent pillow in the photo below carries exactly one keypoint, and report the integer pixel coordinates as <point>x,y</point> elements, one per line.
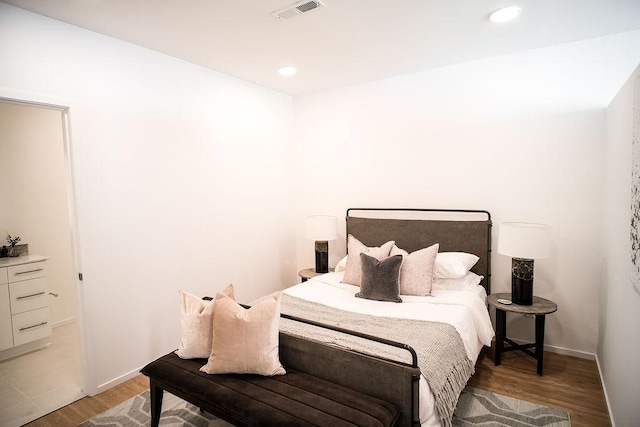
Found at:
<point>380,279</point>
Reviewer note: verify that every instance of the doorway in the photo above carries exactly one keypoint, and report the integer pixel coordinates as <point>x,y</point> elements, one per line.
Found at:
<point>38,205</point>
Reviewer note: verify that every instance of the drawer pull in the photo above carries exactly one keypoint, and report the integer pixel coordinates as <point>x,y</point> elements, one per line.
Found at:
<point>33,326</point>
<point>30,296</point>
<point>28,271</point>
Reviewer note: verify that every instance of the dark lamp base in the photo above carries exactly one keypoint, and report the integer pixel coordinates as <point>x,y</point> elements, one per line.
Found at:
<point>521,291</point>
<point>322,256</point>
<point>522,281</point>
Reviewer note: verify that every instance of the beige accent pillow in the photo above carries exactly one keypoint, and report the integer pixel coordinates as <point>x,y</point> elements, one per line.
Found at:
<point>245,341</point>
<point>353,271</point>
<point>416,273</point>
<point>196,316</point>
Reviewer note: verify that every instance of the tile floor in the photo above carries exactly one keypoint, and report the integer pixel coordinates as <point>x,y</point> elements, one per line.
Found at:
<point>42,381</point>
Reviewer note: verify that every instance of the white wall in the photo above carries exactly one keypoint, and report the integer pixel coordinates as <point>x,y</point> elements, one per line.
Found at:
<point>184,175</point>
<point>518,135</point>
<point>619,343</point>
<point>34,196</point>
<point>181,176</point>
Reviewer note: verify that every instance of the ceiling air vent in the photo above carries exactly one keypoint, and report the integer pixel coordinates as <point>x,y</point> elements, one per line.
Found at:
<point>296,9</point>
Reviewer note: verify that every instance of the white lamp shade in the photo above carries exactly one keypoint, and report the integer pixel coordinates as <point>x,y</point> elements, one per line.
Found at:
<point>322,227</point>
<point>524,240</point>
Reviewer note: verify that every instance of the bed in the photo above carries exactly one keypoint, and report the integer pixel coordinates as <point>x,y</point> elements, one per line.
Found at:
<point>402,364</point>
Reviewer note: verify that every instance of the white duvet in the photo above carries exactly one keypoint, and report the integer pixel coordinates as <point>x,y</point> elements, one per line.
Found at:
<point>465,310</point>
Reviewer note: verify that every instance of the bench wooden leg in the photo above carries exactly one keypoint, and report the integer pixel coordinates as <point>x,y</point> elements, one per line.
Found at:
<point>156,403</point>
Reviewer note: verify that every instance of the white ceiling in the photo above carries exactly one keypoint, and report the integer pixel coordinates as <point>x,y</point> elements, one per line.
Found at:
<point>348,42</point>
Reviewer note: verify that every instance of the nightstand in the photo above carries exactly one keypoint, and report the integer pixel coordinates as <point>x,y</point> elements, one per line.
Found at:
<point>309,273</point>
<point>540,308</point>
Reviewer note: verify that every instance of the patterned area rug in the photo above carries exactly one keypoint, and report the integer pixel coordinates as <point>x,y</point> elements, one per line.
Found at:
<point>136,412</point>
<point>475,408</point>
<point>482,408</point>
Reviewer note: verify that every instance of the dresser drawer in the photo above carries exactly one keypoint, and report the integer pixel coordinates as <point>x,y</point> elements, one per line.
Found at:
<point>31,326</point>
<point>29,295</point>
<point>26,271</point>
<point>3,276</point>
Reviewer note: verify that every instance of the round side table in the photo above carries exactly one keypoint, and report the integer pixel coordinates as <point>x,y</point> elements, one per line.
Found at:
<point>540,308</point>
<point>309,273</point>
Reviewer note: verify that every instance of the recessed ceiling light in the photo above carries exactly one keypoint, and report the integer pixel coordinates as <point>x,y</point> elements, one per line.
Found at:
<point>505,14</point>
<point>287,71</point>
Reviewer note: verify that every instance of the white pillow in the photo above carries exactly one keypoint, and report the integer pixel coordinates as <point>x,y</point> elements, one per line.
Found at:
<point>245,341</point>
<point>416,272</point>
<point>342,265</point>
<point>353,271</point>
<point>470,281</point>
<point>196,316</point>
<point>453,265</point>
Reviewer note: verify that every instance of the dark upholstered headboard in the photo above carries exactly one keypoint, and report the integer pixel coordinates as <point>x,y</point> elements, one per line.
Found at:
<point>412,229</point>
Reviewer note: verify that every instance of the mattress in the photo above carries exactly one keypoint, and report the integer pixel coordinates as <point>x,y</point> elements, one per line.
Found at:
<point>465,310</point>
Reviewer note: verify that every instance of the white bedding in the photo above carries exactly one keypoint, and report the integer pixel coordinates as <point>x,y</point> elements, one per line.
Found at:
<point>465,310</point>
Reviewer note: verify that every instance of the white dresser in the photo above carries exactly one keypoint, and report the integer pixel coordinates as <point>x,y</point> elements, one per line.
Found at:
<point>24,303</point>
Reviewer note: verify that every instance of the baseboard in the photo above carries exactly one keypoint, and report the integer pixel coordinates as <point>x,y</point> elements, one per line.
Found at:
<point>558,350</point>
<point>63,322</point>
<point>106,386</point>
<point>604,389</point>
<point>23,349</point>
<point>569,352</point>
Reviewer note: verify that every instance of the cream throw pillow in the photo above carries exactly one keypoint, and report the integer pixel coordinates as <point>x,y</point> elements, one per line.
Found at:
<point>416,273</point>
<point>245,341</point>
<point>353,271</point>
<point>196,316</point>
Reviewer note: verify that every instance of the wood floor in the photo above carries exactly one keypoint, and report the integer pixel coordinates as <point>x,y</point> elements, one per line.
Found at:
<point>87,407</point>
<point>568,383</point>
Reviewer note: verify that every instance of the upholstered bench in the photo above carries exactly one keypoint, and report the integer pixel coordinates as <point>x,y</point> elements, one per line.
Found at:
<point>294,399</point>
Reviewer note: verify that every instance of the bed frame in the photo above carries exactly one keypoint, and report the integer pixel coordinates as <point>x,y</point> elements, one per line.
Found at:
<point>412,229</point>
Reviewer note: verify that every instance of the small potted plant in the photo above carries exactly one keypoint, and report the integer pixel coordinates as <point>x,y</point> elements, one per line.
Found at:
<point>12,245</point>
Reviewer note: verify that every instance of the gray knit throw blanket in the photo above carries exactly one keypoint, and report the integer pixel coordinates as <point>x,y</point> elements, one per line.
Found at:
<point>442,358</point>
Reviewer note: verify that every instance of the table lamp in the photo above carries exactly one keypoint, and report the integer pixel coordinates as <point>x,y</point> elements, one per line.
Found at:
<point>524,242</point>
<point>322,228</point>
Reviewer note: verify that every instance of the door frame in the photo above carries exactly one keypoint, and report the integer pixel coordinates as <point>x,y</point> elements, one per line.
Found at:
<point>65,106</point>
